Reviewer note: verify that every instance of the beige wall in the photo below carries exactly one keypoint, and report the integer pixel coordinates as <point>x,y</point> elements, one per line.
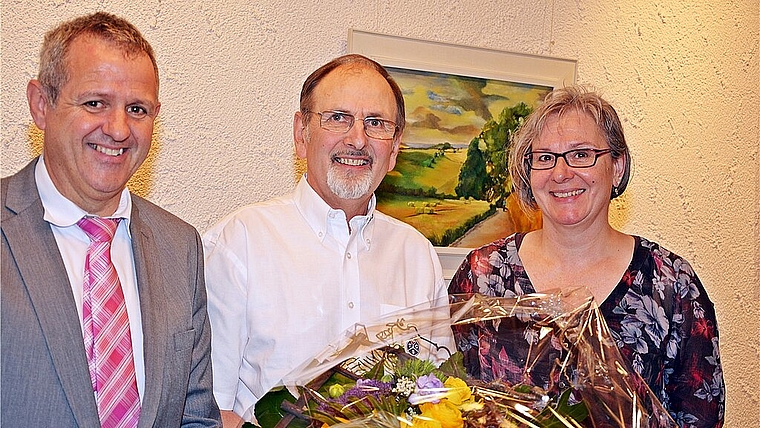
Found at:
<point>683,75</point>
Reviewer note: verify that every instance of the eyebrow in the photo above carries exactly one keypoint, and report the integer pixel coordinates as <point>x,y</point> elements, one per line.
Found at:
<point>346,111</point>
<point>152,103</point>
<point>573,146</point>
<point>107,94</point>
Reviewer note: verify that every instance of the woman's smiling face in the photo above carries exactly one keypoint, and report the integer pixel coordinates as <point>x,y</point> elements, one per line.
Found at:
<point>574,196</point>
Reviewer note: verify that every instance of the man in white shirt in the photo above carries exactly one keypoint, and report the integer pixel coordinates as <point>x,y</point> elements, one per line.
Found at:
<point>287,276</point>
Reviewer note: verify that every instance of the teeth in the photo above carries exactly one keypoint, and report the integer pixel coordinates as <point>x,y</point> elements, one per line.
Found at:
<point>107,151</point>
<point>352,162</point>
<point>568,194</point>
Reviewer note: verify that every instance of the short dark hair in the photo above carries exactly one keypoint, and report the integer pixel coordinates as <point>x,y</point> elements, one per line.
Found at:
<point>351,60</point>
<point>53,73</point>
<point>557,103</point>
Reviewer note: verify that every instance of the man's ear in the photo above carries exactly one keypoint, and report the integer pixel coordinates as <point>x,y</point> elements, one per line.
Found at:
<point>38,102</point>
<point>394,153</point>
<point>299,134</point>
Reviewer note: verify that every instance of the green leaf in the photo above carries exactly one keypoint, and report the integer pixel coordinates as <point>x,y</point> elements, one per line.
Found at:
<point>577,412</point>
<point>377,371</point>
<point>268,410</point>
<point>523,388</point>
<point>414,368</point>
<point>454,366</point>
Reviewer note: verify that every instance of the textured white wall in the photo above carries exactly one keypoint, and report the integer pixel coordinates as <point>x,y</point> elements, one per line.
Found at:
<point>684,77</point>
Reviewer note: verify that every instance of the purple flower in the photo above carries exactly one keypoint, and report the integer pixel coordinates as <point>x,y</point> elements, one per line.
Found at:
<point>429,389</point>
<point>363,389</point>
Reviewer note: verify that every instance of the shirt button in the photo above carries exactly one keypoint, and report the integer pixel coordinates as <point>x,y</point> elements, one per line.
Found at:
<point>350,305</point>
<point>348,255</point>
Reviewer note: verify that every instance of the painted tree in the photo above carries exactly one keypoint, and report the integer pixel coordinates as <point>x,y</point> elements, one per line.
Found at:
<point>473,177</point>
<point>484,174</point>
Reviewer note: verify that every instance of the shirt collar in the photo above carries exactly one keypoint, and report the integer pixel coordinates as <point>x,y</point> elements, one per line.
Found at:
<point>60,211</point>
<point>317,213</point>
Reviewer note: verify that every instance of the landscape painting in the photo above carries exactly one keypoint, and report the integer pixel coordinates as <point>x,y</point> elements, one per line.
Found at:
<point>463,105</point>
<point>451,180</point>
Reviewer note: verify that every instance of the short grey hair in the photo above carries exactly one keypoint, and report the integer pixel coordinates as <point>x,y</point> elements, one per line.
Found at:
<point>53,72</point>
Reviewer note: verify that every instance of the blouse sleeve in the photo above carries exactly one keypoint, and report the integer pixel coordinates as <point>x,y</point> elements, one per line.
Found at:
<point>466,336</point>
<point>695,386</point>
<point>462,282</point>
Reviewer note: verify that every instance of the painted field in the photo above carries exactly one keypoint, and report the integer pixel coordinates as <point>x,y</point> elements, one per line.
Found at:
<point>440,220</point>
<point>425,169</point>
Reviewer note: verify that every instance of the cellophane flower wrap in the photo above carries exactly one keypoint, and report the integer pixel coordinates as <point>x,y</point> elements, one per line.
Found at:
<point>404,371</point>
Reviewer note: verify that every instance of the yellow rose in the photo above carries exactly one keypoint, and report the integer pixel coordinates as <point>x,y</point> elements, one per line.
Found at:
<point>458,391</point>
<point>420,421</point>
<point>444,412</point>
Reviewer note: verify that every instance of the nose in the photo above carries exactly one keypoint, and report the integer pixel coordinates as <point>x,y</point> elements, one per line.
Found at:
<point>117,125</point>
<point>356,137</point>
<point>561,171</point>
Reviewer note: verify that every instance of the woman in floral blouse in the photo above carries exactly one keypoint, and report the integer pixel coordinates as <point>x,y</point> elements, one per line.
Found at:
<point>570,159</point>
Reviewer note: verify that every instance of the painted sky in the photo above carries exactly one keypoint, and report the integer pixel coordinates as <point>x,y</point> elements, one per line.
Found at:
<point>449,108</point>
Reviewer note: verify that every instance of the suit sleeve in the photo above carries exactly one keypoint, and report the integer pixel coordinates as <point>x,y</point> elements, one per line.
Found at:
<point>201,409</point>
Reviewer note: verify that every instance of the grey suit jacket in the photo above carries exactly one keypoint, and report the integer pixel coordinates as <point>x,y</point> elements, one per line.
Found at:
<point>45,381</point>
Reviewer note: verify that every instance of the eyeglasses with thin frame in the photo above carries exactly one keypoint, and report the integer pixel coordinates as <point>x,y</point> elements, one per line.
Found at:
<point>578,158</point>
<point>341,122</point>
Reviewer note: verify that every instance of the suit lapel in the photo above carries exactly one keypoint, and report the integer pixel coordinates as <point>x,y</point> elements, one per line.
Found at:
<point>155,333</point>
<point>35,252</point>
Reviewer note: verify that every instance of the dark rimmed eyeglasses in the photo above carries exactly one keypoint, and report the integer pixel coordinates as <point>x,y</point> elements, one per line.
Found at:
<point>578,158</point>
<point>341,122</point>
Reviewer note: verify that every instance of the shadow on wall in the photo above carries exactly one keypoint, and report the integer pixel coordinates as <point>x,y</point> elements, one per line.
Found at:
<point>299,167</point>
<point>620,210</point>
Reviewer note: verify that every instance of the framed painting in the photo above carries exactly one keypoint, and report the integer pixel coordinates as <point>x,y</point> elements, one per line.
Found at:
<point>463,104</point>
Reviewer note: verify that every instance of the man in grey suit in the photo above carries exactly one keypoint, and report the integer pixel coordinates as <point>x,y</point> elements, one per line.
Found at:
<point>96,99</point>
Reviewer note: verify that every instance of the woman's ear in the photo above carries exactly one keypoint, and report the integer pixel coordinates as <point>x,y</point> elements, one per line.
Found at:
<point>619,169</point>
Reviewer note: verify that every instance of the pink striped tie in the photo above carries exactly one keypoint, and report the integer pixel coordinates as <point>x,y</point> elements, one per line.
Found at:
<point>106,330</point>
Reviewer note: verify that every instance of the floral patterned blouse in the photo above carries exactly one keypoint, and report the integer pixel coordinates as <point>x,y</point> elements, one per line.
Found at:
<point>659,315</point>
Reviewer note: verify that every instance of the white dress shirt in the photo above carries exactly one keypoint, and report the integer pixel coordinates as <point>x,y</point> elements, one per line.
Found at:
<point>63,215</point>
<point>285,277</point>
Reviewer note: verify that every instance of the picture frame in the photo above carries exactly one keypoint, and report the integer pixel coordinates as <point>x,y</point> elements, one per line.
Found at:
<point>417,62</point>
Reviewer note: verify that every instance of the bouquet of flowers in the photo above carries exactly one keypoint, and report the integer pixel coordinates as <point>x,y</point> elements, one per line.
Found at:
<point>402,372</point>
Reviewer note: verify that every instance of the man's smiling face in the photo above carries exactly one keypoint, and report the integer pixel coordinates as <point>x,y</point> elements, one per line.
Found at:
<point>99,130</point>
<point>350,165</point>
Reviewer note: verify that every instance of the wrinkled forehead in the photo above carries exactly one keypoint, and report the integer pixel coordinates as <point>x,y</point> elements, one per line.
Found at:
<point>129,51</point>
<point>354,86</point>
<point>571,117</point>
<point>572,125</point>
